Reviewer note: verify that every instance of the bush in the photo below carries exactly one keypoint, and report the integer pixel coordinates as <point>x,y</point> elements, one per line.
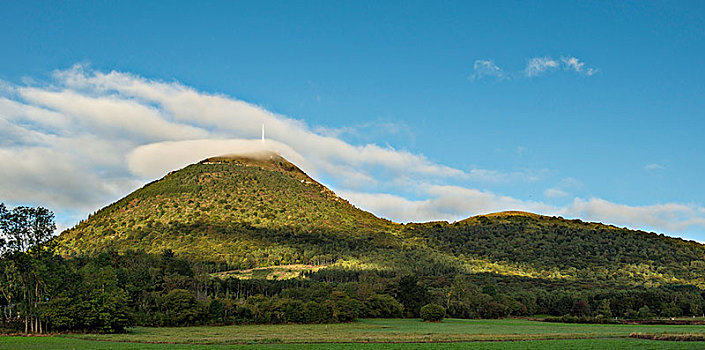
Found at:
<point>384,306</point>
<point>433,313</point>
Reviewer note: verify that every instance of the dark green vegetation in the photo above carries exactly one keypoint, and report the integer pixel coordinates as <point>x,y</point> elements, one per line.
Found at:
<point>432,313</point>
<point>385,333</point>
<point>195,248</point>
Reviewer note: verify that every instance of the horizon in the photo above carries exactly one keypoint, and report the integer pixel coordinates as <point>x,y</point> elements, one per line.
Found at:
<point>414,112</point>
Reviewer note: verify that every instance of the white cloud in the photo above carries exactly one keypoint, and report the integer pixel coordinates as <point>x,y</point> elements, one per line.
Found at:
<point>574,64</point>
<point>653,166</point>
<point>671,217</point>
<point>535,67</point>
<point>539,65</point>
<point>445,202</point>
<point>41,175</point>
<point>487,68</point>
<point>452,203</point>
<point>90,137</point>
<point>555,193</point>
<point>112,116</point>
<point>153,160</point>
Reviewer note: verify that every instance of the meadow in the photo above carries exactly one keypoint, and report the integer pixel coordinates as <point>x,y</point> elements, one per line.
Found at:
<point>374,334</point>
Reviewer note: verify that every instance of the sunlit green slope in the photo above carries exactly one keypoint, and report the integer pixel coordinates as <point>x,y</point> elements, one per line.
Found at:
<point>250,211</point>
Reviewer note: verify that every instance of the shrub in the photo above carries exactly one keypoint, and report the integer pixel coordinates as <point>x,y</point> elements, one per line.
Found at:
<point>384,306</point>
<point>433,313</point>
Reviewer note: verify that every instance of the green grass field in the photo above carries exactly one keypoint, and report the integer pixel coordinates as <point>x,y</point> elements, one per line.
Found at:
<point>373,334</point>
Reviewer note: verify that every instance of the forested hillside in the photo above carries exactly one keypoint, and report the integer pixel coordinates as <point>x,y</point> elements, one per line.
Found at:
<point>255,211</point>
<point>530,245</point>
<point>246,212</point>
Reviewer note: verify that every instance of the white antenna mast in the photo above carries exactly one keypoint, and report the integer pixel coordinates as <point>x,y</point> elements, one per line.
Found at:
<point>262,132</point>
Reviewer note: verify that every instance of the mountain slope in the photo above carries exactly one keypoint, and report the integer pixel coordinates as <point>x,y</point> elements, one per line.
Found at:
<point>229,208</point>
<point>260,210</point>
<point>552,247</point>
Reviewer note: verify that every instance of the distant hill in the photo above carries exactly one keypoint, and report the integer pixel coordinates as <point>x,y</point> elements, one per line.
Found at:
<point>260,210</point>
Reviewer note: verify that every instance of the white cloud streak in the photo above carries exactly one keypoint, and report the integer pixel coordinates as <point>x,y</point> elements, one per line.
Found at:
<point>487,69</point>
<point>452,203</point>
<point>539,65</point>
<point>555,193</point>
<point>670,217</point>
<point>653,166</point>
<point>535,66</point>
<point>574,64</point>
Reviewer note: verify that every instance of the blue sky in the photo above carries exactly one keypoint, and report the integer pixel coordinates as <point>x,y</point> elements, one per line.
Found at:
<point>607,125</point>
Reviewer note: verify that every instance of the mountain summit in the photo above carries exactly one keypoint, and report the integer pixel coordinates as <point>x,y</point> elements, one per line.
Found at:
<point>264,159</point>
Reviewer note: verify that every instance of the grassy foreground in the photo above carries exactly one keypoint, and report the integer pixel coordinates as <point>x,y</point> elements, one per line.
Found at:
<point>517,334</point>
<point>66,343</point>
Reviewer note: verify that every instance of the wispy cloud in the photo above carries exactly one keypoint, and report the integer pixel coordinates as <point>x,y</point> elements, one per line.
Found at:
<point>444,202</point>
<point>368,131</point>
<point>555,193</point>
<point>539,65</point>
<point>671,217</point>
<point>452,203</point>
<point>574,64</point>
<point>535,66</point>
<point>487,69</point>
<point>653,166</point>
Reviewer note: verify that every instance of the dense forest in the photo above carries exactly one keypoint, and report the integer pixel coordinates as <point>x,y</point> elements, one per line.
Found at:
<point>198,246</point>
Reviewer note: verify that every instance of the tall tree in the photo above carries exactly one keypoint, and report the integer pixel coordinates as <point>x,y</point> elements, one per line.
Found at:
<point>24,228</point>
<point>3,242</point>
<point>23,234</point>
